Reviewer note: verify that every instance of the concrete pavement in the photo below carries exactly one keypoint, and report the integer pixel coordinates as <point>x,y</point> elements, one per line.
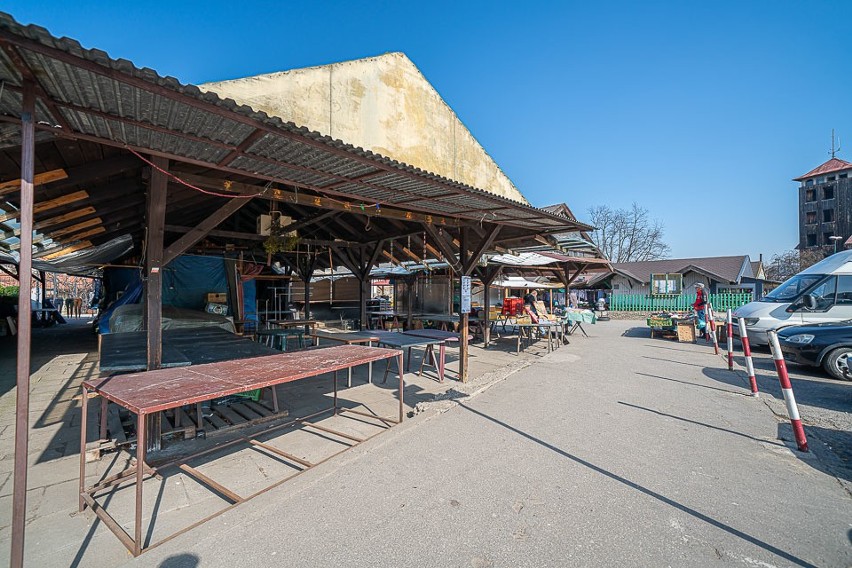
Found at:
<point>619,450</point>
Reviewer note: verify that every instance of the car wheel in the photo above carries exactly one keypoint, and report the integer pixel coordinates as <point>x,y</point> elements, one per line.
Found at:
<point>837,363</point>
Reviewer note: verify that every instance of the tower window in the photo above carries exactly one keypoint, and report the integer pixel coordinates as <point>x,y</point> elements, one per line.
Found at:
<point>828,193</point>
<point>810,195</point>
<point>811,240</point>
<point>810,217</point>
<point>809,183</point>
<point>830,178</point>
<point>843,176</point>
<point>827,215</point>
<point>826,239</point>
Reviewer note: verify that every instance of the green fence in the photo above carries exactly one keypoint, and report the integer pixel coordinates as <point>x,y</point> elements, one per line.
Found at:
<point>647,303</point>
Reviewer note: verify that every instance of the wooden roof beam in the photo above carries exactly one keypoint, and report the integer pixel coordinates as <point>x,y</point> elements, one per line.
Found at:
<point>43,178</point>
<point>47,205</point>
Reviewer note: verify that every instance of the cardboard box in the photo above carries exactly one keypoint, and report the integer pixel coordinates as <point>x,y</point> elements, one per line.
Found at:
<point>217,297</point>
<point>686,333</point>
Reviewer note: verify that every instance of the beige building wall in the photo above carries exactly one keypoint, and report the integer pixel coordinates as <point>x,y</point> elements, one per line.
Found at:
<point>383,104</point>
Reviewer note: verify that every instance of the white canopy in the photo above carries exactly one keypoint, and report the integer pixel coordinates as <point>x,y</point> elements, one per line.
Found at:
<point>518,282</point>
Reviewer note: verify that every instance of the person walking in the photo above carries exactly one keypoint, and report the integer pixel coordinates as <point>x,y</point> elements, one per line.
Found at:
<point>700,307</point>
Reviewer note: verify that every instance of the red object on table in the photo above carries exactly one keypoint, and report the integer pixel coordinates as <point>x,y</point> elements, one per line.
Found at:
<point>512,306</point>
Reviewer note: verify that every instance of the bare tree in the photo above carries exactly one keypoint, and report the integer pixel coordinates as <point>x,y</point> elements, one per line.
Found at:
<point>789,263</point>
<point>628,235</point>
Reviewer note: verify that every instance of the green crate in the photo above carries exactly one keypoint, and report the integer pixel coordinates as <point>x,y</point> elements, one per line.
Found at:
<point>252,394</point>
<point>660,322</point>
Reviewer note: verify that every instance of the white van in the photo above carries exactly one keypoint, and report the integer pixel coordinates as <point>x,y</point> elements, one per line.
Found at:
<point>819,294</point>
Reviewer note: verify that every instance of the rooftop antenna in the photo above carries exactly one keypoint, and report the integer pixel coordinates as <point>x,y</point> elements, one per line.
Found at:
<point>833,149</point>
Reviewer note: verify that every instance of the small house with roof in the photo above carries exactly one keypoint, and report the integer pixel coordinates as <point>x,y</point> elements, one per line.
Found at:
<point>675,277</point>
<point>825,206</point>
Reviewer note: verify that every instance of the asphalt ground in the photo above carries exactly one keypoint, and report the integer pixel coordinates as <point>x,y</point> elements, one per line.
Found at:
<point>617,450</point>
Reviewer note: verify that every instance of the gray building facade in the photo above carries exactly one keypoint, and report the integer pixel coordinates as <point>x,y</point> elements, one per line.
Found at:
<point>825,206</point>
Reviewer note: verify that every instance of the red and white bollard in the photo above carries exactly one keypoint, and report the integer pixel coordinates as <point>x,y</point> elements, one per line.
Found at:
<point>711,324</point>
<point>787,389</point>
<point>747,352</point>
<point>729,327</point>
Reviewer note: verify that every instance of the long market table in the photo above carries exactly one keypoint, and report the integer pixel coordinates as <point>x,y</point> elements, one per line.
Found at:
<point>404,340</point>
<point>349,338</point>
<point>445,320</point>
<point>446,336</point>
<point>155,391</point>
<point>128,351</point>
<point>576,319</point>
<point>527,330</point>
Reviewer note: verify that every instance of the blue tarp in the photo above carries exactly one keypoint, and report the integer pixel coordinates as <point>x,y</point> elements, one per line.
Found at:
<point>131,296</point>
<point>249,297</point>
<point>186,281</point>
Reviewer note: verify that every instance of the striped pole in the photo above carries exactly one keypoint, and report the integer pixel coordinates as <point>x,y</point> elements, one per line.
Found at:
<point>747,352</point>
<point>787,389</point>
<point>729,327</point>
<point>711,321</point>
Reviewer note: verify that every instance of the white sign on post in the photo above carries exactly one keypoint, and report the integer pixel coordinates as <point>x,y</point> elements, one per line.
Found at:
<point>465,294</point>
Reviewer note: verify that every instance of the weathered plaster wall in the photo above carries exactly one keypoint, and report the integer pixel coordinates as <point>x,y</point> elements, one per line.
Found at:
<point>383,104</point>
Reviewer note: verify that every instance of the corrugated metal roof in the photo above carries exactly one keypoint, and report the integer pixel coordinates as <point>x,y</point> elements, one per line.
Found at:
<point>110,101</point>
<point>833,165</point>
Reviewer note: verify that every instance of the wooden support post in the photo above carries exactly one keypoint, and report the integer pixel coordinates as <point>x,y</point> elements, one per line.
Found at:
<point>22,399</point>
<point>155,221</point>
<point>363,296</point>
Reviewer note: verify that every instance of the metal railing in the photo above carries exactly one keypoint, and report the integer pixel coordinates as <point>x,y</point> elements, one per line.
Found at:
<point>649,303</point>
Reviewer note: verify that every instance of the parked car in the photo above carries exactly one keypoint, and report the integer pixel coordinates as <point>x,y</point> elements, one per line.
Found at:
<point>826,345</point>
<point>819,294</point>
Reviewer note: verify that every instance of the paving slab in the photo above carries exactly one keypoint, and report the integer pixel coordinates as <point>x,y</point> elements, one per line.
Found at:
<point>64,356</point>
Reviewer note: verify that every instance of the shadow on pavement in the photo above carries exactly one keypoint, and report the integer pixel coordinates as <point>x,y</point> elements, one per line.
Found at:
<point>734,432</point>
<point>832,447</point>
<point>693,384</point>
<point>644,490</point>
<point>672,361</point>
<point>180,561</point>
<point>643,332</point>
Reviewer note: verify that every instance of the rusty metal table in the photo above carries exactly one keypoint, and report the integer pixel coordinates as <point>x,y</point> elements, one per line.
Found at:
<point>446,336</point>
<point>403,340</point>
<point>154,391</point>
<point>312,324</point>
<point>526,331</point>
<point>349,338</point>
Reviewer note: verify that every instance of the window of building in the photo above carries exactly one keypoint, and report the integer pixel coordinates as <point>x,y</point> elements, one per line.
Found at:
<point>826,239</point>
<point>827,215</point>
<point>830,178</point>
<point>812,240</point>
<point>843,176</point>
<point>809,183</point>
<point>666,284</point>
<point>810,195</point>
<point>828,192</point>
<point>810,217</point>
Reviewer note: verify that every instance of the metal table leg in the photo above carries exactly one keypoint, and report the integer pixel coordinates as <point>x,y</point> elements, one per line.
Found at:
<point>370,366</point>
<point>83,426</point>
<point>401,387</point>
<point>140,472</point>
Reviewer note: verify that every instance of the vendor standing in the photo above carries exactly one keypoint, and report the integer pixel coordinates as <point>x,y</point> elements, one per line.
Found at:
<point>530,300</point>
<point>700,307</point>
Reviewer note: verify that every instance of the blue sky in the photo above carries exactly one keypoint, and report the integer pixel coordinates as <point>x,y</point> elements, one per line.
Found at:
<point>680,106</point>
